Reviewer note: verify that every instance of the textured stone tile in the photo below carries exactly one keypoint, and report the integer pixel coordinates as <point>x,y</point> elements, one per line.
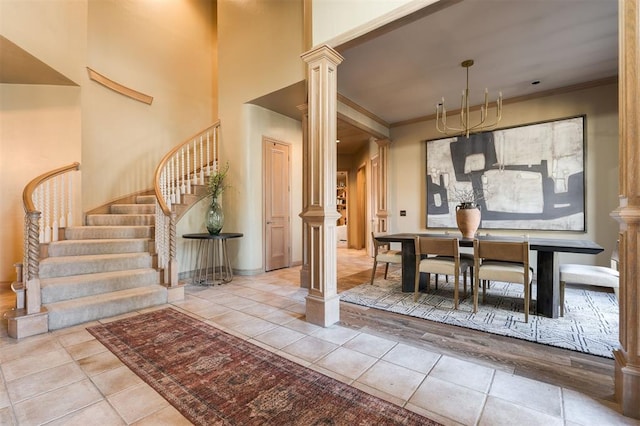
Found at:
<point>115,380</point>
<point>347,362</point>
<point>413,358</point>
<point>371,345</point>
<point>137,402</point>
<point>392,379</point>
<point>6,417</point>
<point>32,364</point>
<point>44,381</point>
<point>463,373</point>
<point>75,337</point>
<point>57,403</point>
<point>100,413</point>
<point>30,346</point>
<point>583,410</point>
<point>309,348</point>
<point>98,363</point>
<point>168,416</point>
<point>498,412</point>
<point>279,337</point>
<point>450,400</point>
<point>336,334</point>
<point>528,393</point>
<point>85,349</point>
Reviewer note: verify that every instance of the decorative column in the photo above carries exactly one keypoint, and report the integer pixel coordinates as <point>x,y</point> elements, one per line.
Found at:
<point>382,213</point>
<point>321,214</point>
<point>627,359</point>
<point>306,197</point>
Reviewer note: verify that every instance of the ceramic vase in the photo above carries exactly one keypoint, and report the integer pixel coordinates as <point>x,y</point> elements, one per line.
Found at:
<point>468,219</point>
<point>215,217</point>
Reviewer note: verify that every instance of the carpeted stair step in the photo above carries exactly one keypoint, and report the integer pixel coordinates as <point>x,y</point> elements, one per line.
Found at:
<point>133,209</point>
<point>146,199</point>
<point>107,232</point>
<point>106,246</point>
<point>77,265</point>
<point>71,312</point>
<point>66,288</point>
<point>120,219</point>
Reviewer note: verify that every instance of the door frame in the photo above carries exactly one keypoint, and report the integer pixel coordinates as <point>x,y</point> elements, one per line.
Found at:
<point>266,140</point>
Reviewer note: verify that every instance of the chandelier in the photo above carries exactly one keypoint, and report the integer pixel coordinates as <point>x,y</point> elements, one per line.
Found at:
<point>465,126</point>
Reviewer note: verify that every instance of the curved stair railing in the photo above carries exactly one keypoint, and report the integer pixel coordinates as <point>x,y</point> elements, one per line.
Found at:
<point>48,204</point>
<point>180,172</point>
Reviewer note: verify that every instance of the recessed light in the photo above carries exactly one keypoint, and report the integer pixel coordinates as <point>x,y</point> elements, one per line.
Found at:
<point>534,82</point>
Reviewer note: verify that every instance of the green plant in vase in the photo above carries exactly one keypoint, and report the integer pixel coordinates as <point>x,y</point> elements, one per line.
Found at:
<point>215,187</point>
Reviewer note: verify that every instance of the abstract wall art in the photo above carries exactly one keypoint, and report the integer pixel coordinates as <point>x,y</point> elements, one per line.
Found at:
<point>525,177</point>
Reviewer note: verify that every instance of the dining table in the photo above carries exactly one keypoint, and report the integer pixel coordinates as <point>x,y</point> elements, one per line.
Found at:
<point>547,271</point>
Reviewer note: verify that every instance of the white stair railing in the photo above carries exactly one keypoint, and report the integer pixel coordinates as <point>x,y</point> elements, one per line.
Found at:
<point>180,170</point>
<point>48,204</point>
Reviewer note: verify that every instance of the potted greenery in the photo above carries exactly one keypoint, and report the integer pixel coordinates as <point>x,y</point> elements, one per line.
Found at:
<point>467,210</point>
<point>215,187</point>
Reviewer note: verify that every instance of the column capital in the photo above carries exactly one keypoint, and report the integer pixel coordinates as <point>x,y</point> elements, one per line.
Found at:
<point>322,52</point>
<point>383,142</point>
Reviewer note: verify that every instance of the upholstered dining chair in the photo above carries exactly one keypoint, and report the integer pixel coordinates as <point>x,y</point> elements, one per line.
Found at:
<point>506,261</point>
<point>601,276</point>
<point>440,255</point>
<point>382,253</point>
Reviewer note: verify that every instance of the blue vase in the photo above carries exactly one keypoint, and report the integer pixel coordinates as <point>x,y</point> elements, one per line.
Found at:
<point>215,218</point>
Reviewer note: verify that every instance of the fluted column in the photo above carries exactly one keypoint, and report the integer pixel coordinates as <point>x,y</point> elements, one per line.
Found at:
<point>323,303</point>
<point>306,197</point>
<point>382,214</point>
<point>627,359</point>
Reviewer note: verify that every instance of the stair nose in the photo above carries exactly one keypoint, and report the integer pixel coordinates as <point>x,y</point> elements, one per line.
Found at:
<point>120,219</point>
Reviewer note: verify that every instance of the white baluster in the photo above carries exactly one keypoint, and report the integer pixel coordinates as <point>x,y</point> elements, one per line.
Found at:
<point>208,157</point>
<point>215,150</point>
<point>188,175</point>
<point>38,197</point>
<point>47,224</point>
<point>176,179</point>
<point>54,225</point>
<point>195,167</point>
<point>63,221</point>
<point>201,163</point>
<point>70,201</point>
<point>183,187</point>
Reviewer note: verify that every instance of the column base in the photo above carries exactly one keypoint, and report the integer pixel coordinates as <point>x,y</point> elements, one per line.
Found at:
<point>627,382</point>
<point>20,324</point>
<point>323,311</point>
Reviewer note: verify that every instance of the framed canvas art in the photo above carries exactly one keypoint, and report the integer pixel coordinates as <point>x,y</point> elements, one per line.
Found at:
<point>525,177</point>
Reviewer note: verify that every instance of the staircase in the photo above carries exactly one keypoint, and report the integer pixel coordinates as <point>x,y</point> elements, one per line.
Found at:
<point>103,269</point>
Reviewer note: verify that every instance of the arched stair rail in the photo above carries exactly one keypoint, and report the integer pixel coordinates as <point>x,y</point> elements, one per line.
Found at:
<point>179,173</point>
<point>48,204</point>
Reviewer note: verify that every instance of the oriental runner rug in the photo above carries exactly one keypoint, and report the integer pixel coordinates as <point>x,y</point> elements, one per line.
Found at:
<point>214,378</point>
<point>589,325</point>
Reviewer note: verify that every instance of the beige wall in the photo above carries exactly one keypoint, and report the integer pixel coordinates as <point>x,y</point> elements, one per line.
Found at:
<point>333,18</point>
<point>163,49</point>
<point>260,43</point>
<point>408,163</point>
<point>40,125</point>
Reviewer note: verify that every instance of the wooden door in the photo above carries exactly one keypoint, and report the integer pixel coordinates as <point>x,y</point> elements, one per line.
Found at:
<point>277,205</point>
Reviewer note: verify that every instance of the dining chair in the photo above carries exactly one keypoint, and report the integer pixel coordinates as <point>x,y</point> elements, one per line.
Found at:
<point>440,255</point>
<point>382,253</point>
<point>506,261</point>
<point>601,276</point>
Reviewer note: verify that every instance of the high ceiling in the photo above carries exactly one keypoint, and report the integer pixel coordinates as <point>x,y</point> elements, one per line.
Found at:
<point>399,73</point>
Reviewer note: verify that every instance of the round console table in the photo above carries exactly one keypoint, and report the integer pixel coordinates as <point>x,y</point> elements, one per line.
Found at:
<point>212,261</point>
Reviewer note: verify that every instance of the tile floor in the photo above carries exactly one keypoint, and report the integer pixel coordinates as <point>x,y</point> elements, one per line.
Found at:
<point>67,377</point>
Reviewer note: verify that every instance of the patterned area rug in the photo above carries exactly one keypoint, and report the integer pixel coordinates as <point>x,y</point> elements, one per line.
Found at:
<point>590,324</point>
<point>214,378</point>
